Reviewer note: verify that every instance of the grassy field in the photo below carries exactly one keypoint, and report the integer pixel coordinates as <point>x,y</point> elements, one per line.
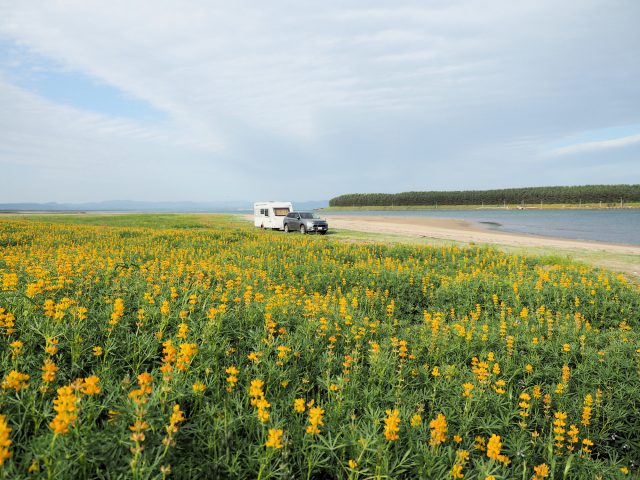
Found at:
<point>195,346</point>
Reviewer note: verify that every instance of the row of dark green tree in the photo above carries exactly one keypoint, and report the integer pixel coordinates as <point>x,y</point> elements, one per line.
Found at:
<point>593,194</point>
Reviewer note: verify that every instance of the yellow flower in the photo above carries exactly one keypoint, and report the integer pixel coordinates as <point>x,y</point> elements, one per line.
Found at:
<point>185,355</point>
<point>49,370</point>
<point>263,414</point>
<point>198,387</point>
<point>541,472</point>
<point>498,387</point>
<point>315,420</point>
<point>416,420</point>
<point>145,378</point>
<point>493,447</point>
<point>275,438</point>
<point>66,411</point>
<point>90,386</point>
<point>183,328</point>
<point>438,430</point>
<point>586,410</point>
<point>462,456</point>
<point>392,425</point>
<point>586,445</point>
<point>16,349</point>
<point>52,346</point>
<point>467,390</point>
<point>5,440</point>
<point>456,471</point>
<point>177,416</point>
<point>352,464</point>
<point>15,380</point>
<point>254,357</point>
<point>139,426</point>
<point>298,405</point>
<point>34,467</point>
<point>558,429</point>
<point>97,351</point>
<point>255,389</point>
<point>258,400</point>
<point>232,379</point>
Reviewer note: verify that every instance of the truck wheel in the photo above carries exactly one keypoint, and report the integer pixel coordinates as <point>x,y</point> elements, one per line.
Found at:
<point>303,229</point>
<point>286,228</point>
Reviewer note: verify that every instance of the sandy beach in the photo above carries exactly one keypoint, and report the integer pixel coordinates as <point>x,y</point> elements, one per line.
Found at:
<point>463,231</point>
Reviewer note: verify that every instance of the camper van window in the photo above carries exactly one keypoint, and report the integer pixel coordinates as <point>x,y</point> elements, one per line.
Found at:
<point>280,212</point>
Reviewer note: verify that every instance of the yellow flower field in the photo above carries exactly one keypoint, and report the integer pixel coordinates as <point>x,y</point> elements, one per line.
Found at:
<point>192,350</point>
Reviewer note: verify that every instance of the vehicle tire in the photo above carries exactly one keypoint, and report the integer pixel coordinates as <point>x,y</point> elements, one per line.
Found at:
<point>303,229</point>
<point>323,233</point>
<point>286,228</point>
<point>262,226</point>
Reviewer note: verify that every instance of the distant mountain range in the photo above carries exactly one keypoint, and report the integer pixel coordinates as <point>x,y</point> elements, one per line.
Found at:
<point>137,206</point>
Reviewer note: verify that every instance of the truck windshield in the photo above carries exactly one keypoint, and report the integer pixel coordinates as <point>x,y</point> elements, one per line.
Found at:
<point>308,215</point>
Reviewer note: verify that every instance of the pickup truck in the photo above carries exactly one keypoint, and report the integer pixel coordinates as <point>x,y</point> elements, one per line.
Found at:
<point>304,222</point>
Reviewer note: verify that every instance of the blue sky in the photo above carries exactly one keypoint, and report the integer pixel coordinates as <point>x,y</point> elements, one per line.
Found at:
<point>206,100</point>
<point>57,83</point>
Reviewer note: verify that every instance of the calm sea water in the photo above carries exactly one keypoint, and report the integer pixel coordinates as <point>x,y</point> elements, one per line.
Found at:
<point>615,226</point>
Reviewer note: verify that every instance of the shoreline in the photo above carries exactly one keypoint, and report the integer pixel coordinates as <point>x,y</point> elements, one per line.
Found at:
<point>465,231</point>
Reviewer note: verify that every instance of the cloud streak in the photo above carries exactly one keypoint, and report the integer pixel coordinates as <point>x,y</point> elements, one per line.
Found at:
<point>590,147</point>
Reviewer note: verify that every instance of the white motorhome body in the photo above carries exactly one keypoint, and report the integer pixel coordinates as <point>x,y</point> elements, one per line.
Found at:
<point>271,214</point>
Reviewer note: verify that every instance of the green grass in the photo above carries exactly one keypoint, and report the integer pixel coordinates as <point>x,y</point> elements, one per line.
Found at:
<point>151,220</point>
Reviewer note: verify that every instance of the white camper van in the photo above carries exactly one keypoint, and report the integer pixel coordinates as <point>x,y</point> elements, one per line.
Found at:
<point>271,214</point>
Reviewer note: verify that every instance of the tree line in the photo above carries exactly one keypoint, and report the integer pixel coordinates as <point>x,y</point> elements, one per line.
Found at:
<point>606,194</point>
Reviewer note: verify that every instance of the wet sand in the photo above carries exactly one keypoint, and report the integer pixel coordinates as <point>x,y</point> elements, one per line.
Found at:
<point>463,231</point>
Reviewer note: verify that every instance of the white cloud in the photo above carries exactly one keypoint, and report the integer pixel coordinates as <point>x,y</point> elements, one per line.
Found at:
<point>589,147</point>
<point>41,133</point>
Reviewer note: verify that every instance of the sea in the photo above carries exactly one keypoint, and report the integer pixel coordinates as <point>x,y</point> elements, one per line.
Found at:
<point>604,225</point>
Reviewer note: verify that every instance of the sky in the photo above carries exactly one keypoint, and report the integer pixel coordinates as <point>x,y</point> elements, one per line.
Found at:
<point>188,100</point>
